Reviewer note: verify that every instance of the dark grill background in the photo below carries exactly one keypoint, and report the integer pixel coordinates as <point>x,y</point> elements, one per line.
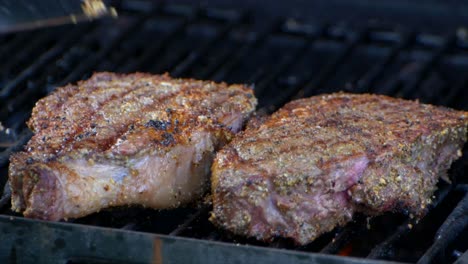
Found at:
<point>285,59</point>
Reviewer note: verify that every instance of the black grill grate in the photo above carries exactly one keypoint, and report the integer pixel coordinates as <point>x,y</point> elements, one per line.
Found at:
<point>285,59</point>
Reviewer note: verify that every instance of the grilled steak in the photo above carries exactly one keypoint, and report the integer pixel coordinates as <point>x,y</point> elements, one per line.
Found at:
<point>124,139</point>
<point>316,161</point>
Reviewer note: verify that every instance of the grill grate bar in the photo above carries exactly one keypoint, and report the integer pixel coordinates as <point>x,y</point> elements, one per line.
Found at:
<point>409,89</point>
<point>211,69</point>
<point>366,84</point>
<point>181,228</point>
<point>452,97</point>
<point>45,58</point>
<point>227,61</point>
<point>92,61</point>
<point>343,236</point>
<point>36,42</point>
<point>243,52</point>
<point>428,66</point>
<point>24,136</point>
<point>455,223</point>
<point>189,61</point>
<point>6,38</point>
<point>462,257</point>
<point>16,43</point>
<point>314,85</point>
<point>273,74</point>
<point>35,45</point>
<point>6,196</point>
<point>181,64</point>
<point>383,249</point>
<point>150,54</point>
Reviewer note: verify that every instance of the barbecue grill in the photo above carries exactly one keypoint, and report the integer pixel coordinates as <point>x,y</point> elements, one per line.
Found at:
<point>287,50</point>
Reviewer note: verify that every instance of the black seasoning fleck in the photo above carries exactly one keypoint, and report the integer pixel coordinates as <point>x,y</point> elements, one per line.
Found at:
<point>176,126</point>
<point>168,139</point>
<point>157,124</point>
<point>29,160</point>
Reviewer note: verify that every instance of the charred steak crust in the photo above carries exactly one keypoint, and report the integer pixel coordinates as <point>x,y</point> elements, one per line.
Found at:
<point>120,139</point>
<point>316,161</point>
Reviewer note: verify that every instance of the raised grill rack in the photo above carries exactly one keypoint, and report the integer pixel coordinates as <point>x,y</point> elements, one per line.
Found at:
<point>285,59</point>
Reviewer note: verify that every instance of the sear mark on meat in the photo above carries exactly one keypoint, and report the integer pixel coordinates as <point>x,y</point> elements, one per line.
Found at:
<point>124,139</point>
<point>307,168</point>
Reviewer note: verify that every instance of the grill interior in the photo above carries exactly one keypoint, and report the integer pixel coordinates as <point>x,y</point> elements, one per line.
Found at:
<point>284,59</point>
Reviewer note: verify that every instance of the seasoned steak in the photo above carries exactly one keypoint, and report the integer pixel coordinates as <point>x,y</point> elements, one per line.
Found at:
<point>124,139</point>
<point>316,161</point>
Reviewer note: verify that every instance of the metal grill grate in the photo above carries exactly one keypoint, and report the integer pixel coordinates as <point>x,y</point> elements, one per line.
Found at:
<point>285,59</point>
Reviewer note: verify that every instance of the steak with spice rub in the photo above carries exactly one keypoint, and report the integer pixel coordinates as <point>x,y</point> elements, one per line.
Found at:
<point>316,161</point>
<point>124,139</point>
